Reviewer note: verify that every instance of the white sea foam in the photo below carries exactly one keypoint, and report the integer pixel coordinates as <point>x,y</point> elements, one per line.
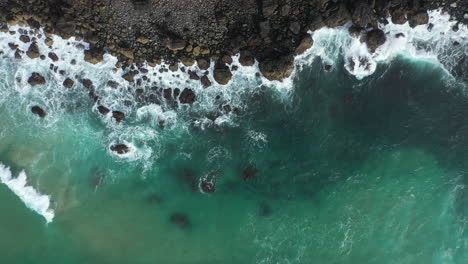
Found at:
<point>33,199</point>
<point>434,42</point>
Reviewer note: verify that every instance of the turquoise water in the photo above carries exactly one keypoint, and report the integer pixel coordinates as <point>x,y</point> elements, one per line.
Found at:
<point>342,170</point>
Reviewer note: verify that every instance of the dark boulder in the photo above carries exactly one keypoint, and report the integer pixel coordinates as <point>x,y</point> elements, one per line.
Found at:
<point>36,79</point>
<point>374,39</point>
<point>120,149</point>
<point>68,83</point>
<point>25,38</point>
<point>277,68</point>
<point>167,93</point>
<point>399,17</point>
<point>103,110</point>
<point>33,51</point>
<point>87,83</point>
<point>193,75</point>
<point>38,111</point>
<point>13,46</point>
<point>18,54</point>
<point>418,18</point>
<point>187,96</point>
<point>205,81</point>
<point>94,55</point>
<point>246,58</point>
<point>53,56</point>
<point>222,74</point>
<point>118,116</point>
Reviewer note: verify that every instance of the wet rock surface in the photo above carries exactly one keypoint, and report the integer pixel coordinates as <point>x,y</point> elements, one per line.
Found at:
<point>173,31</point>
<point>36,79</point>
<point>38,111</point>
<point>120,149</point>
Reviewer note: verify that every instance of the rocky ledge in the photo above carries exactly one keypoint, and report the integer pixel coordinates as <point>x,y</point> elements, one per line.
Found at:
<point>189,31</point>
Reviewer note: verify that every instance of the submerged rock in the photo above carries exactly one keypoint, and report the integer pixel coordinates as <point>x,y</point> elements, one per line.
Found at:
<point>120,149</point>
<point>130,76</point>
<point>181,220</point>
<point>36,79</point>
<point>265,209</point>
<point>249,173</point>
<point>38,111</point>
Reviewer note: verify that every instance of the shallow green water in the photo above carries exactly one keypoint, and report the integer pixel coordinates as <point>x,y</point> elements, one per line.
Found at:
<point>370,171</point>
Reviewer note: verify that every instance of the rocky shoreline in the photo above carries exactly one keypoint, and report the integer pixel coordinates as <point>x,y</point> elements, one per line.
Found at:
<point>192,31</point>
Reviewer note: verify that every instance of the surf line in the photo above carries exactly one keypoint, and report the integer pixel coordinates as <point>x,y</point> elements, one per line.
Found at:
<point>32,198</point>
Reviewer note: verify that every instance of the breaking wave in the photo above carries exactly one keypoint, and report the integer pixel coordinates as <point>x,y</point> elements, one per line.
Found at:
<point>33,199</point>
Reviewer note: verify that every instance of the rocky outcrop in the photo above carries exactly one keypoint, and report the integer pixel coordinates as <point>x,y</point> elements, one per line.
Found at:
<point>222,74</point>
<point>36,79</point>
<point>278,68</point>
<point>33,51</point>
<point>211,30</point>
<point>374,39</point>
<point>187,97</point>
<point>68,83</point>
<point>120,149</point>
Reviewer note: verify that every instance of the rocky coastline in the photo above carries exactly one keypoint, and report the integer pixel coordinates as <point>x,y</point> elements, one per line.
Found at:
<point>194,31</point>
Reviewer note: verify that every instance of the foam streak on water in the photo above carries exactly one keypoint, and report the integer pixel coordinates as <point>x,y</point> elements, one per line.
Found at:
<point>33,199</point>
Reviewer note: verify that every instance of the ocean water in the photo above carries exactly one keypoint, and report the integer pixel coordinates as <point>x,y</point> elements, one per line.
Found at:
<point>363,164</point>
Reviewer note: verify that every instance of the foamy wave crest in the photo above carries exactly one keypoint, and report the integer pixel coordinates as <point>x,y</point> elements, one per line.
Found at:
<point>435,42</point>
<point>34,200</point>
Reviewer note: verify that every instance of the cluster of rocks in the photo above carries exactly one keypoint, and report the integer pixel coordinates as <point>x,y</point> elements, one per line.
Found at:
<point>270,31</point>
